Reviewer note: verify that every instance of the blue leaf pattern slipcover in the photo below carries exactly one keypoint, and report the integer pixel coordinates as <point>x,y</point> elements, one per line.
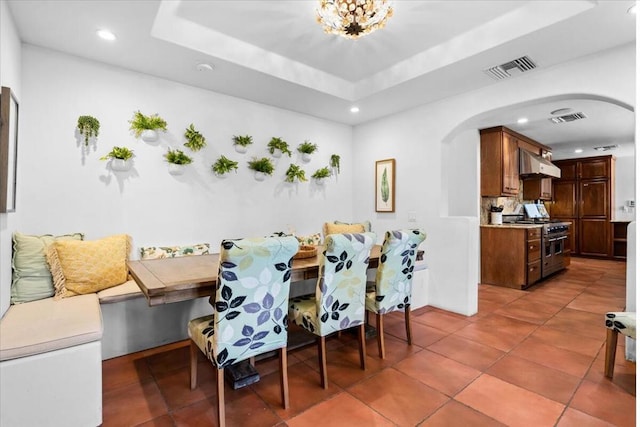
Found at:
<point>395,271</point>
<point>339,300</point>
<point>252,292</point>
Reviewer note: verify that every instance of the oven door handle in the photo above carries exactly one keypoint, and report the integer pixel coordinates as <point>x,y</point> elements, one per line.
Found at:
<point>551,240</point>
<point>562,238</point>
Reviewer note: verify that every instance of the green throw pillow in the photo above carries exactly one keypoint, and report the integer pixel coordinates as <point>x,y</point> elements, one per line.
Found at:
<point>31,276</point>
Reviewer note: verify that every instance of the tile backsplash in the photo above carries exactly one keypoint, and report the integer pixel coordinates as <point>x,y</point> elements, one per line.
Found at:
<point>509,203</point>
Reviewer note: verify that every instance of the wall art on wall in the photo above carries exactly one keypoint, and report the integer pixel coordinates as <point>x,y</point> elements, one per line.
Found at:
<point>8,149</point>
<point>386,185</point>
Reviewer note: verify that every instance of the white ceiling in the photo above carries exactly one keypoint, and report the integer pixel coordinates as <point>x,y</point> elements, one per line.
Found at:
<point>273,52</point>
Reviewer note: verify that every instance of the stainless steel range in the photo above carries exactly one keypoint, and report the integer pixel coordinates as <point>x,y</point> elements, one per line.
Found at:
<point>555,236</point>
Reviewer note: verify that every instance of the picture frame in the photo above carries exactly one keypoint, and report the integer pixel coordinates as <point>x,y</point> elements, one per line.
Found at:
<point>386,185</point>
<point>8,149</point>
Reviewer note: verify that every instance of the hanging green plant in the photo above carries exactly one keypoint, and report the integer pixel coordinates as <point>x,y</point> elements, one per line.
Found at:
<point>224,165</point>
<point>321,173</point>
<point>264,165</point>
<point>335,162</point>
<point>89,127</point>
<point>195,140</point>
<point>140,123</point>
<point>122,153</point>
<point>278,144</point>
<point>177,157</point>
<point>295,172</point>
<point>307,148</point>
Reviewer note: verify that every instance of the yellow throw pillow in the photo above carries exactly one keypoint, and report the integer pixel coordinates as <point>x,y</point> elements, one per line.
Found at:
<point>84,267</point>
<point>330,228</point>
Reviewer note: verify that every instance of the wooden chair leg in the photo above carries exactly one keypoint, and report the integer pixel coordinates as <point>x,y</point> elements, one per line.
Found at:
<point>363,344</point>
<point>284,378</point>
<point>610,352</point>
<point>407,322</point>
<point>220,388</point>
<point>193,362</point>
<point>322,361</point>
<point>380,333</point>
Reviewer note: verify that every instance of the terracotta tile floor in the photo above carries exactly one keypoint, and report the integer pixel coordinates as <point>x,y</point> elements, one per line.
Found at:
<point>528,358</point>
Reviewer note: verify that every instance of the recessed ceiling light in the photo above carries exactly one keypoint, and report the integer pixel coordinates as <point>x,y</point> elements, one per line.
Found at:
<point>522,120</point>
<point>354,109</point>
<point>578,150</point>
<point>633,9</point>
<point>560,111</point>
<point>106,35</point>
<point>204,67</point>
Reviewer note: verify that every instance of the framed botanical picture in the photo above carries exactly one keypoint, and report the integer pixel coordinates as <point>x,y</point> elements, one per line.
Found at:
<point>8,147</point>
<point>386,185</point>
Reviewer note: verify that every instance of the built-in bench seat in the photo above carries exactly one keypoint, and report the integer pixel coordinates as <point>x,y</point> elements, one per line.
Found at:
<point>128,290</point>
<point>51,364</point>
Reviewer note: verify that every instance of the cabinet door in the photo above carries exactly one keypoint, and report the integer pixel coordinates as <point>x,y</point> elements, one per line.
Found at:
<point>594,237</point>
<point>594,199</point>
<point>568,170</point>
<point>597,168</point>
<point>546,189</point>
<point>564,202</point>
<point>510,165</point>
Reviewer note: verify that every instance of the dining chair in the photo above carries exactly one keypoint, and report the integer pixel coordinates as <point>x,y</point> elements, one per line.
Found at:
<point>338,302</point>
<point>250,309</point>
<point>391,290</point>
<point>617,322</point>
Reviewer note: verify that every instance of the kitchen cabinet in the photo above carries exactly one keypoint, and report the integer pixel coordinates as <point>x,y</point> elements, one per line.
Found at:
<point>537,189</point>
<point>510,256</point>
<point>619,239</point>
<point>583,195</point>
<point>500,163</point>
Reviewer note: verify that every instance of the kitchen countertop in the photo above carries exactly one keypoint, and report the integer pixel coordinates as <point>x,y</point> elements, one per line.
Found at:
<point>512,225</point>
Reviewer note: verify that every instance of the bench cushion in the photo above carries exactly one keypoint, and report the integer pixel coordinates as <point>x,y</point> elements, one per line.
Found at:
<point>125,291</point>
<point>46,325</point>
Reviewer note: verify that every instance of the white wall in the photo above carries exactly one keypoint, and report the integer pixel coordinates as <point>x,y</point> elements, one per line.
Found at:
<point>424,142</point>
<point>10,76</point>
<point>67,188</point>
<point>624,189</point>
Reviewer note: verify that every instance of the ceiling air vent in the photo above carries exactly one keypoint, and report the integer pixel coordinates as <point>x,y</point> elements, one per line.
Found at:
<point>606,147</point>
<point>511,68</point>
<point>568,118</point>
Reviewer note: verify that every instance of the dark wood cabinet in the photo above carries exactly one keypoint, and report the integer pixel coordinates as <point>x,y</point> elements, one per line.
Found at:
<point>619,239</point>
<point>583,195</point>
<point>537,189</point>
<point>510,256</point>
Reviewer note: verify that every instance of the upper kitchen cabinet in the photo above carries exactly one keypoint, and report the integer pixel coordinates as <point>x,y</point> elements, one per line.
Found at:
<point>499,171</point>
<point>500,163</point>
<point>537,189</point>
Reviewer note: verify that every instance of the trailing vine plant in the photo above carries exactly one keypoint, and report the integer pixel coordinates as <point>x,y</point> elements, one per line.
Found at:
<point>89,127</point>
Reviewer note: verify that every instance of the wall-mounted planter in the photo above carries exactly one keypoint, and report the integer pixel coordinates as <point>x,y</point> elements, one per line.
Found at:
<point>276,153</point>
<point>319,181</point>
<point>149,135</point>
<point>260,176</point>
<point>175,169</point>
<point>306,157</point>
<point>240,148</point>
<point>221,175</point>
<point>120,165</point>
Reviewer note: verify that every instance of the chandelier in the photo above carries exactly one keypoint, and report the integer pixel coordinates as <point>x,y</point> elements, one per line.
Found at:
<point>353,18</point>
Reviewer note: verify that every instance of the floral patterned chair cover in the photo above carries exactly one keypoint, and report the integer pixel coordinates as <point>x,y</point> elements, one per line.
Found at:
<point>250,314</point>
<point>617,322</point>
<point>392,289</point>
<point>340,292</point>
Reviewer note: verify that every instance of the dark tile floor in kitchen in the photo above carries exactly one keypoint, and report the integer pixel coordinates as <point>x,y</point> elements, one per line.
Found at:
<point>528,358</point>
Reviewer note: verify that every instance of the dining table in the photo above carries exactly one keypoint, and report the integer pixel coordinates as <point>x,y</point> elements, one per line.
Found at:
<point>168,280</point>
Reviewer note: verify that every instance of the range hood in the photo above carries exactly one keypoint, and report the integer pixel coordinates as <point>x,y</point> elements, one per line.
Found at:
<point>533,165</point>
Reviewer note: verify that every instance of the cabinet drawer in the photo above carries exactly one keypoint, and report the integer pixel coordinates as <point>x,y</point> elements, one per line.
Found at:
<point>533,250</point>
<point>533,233</point>
<point>534,272</point>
